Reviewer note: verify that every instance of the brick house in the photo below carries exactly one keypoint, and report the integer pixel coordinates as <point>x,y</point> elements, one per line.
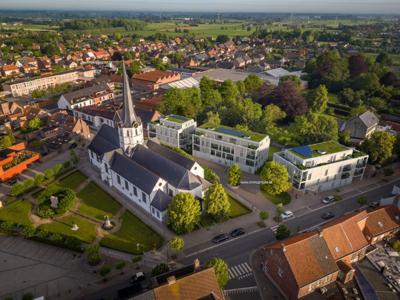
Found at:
<point>381,223</point>
<point>152,80</point>
<point>300,265</point>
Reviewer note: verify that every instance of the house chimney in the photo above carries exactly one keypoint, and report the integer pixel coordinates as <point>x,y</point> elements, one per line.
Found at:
<point>320,234</point>
<point>196,264</point>
<point>283,247</point>
<point>171,280</point>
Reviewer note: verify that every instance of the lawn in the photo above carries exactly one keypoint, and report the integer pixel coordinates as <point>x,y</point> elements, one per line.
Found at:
<point>132,232</point>
<point>86,231</point>
<point>237,208</point>
<point>73,180</point>
<point>17,212</point>
<point>283,198</point>
<point>97,203</point>
<point>272,150</point>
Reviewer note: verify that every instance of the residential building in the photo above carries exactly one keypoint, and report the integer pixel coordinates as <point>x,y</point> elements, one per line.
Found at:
<point>362,126</point>
<point>152,80</point>
<point>173,130</point>
<point>300,264</point>
<point>14,160</point>
<point>10,70</point>
<point>27,86</point>
<point>382,222</point>
<point>323,166</point>
<point>146,173</point>
<point>93,95</point>
<point>226,146</point>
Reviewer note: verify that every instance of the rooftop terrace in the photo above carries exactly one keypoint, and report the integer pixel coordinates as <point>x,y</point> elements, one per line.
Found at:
<point>177,119</point>
<point>249,135</point>
<point>316,150</point>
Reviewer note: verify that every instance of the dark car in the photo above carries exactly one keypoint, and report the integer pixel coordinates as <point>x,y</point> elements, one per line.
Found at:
<point>373,204</point>
<point>220,238</point>
<point>328,215</point>
<point>237,232</point>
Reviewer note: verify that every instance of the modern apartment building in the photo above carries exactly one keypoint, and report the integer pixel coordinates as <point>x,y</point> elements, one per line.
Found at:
<point>225,145</point>
<point>173,130</point>
<point>27,86</point>
<point>322,166</point>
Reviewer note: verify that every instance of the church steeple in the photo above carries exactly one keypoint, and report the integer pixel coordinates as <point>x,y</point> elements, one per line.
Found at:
<point>129,117</point>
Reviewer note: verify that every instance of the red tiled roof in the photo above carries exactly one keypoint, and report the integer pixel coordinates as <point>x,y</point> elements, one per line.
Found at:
<point>154,75</point>
<point>382,220</point>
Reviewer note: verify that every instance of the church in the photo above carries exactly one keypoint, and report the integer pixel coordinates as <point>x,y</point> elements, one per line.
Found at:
<point>146,172</point>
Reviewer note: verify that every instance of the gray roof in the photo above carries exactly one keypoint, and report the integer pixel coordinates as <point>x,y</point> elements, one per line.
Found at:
<point>161,200</point>
<point>171,155</point>
<point>133,172</point>
<point>85,92</point>
<point>130,117</point>
<point>369,118</point>
<point>105,140</point>
<point>175,174</point>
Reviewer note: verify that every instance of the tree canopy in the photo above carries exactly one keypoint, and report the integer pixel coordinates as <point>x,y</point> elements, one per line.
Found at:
<point>276,178</point>
<point>217,201</point>
<point>379,146</point>
<point>183,213</point>
<point>220,269</point>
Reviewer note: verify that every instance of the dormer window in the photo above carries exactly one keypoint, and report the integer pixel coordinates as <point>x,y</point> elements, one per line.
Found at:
<point>337,249</point>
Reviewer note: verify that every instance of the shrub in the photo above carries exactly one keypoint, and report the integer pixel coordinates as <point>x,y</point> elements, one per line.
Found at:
<point>362,200</point>
<point>234,175</point>
<point>120,265</point>
<point>263,215</point>
<point>27,296</point>
<point>282,232</point>
<point>27,231</point>
<point>261,224</point>
<point>6,226</point>
<point>210,175</point>
<point>104,270</point>
<point>93,255</point>
<point>45,212</point>
<point>137,258</point>
<point>396,246</point>
<point>67,165</point>
<point>388,171</point>
<point>160,269</point>
<point>66,199</point>
<point>20,188</point>
<point>39,178</point>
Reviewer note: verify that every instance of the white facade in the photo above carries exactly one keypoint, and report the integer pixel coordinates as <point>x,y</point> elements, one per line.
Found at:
<point>226,149</point>
<point>324,172</point>
<point>129,137</point>
<point>174,131</point>
<point>93,120</point>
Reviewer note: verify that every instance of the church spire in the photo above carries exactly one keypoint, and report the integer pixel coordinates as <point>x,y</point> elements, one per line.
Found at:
<point>129,116</point>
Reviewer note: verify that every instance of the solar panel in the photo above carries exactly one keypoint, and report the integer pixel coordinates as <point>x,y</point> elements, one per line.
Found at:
<point>303,150</point>
<point>231,132</point>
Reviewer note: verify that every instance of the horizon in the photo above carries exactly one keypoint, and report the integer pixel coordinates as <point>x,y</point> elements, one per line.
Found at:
<point>355,7</point>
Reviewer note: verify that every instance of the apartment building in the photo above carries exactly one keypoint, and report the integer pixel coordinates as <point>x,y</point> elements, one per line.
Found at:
<point>323,166</point>
<point>27,86</point>
<point>173,130</point>
<point>225,146</point>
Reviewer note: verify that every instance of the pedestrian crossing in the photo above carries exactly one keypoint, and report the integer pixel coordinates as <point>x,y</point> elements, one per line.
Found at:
<point>240,271</point>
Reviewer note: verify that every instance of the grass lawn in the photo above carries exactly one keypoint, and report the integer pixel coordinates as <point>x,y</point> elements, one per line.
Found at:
<point>97,203</point>
<point>17,212</point>
<point>283,198</point>
<point>272,150</point>
<point>133,231</point>
<point>73,180</point>
<point>85,233</point>
<point>237,208</point>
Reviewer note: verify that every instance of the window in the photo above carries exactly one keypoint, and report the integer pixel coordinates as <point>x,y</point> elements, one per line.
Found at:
<point>158,214</point>
<point>135,191</point>
<point>144,197</point>
<point>118,179</point>
<point>126,185</point>
<point>106,167</point>
<point>153,210</point>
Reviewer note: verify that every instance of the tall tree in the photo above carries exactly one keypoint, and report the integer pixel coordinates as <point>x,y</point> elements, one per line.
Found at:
<point>253,84</point>
<point>318,99</point>
<point>183,213</point>
<point>234,175</point>
<point>379,146</point>
<point>276,178</point>
<point>272,114</point>
<point>289,98</point>
<point>315,128</point>
<point>357,65</point>
<point>217,201</point>
<point>220,269</point>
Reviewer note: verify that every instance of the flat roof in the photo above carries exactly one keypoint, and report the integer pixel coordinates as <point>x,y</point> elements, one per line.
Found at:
<point>176,119</point>
<point>320,149</point>
<point>249,135</point>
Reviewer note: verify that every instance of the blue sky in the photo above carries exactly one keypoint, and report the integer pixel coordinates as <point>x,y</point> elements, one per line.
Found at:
<point>330,6</point>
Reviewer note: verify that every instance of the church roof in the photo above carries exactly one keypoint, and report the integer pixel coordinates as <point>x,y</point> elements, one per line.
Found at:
<point>129,115</point>
<point>161,200</point>
<point>105,140</point>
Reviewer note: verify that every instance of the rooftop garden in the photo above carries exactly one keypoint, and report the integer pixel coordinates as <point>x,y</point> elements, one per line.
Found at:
<point>320,149</point>
<point>177,119</point>
<point>19,158</point>
<point>238,133</point>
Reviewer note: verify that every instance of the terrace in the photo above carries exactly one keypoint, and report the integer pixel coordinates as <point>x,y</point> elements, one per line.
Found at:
<point>228,131</point>
<point>176,119</point>
<point>316,150</point>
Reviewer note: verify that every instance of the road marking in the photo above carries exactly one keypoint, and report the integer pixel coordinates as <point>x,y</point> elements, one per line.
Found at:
<point>230,273</point>
<point>240,271</point>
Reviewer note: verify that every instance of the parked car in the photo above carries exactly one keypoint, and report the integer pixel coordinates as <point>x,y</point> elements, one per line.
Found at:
<point>328,215</point>
<point>237,232</point>
<point>220,238</point>
<point>12,181</point>
<point>373,204</point>
<point>287,214</point>
<point>139,276</point>
<point>328,199</point>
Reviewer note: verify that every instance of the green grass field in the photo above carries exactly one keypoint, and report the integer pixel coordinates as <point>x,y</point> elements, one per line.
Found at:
<point>272,150</point>
<point>86,231</point>
<point>17,212</point>
<point>97,203</point>
<point>132,232</point>
<point>283,198</point>
<point>73,180</point>
<point>237,209</point>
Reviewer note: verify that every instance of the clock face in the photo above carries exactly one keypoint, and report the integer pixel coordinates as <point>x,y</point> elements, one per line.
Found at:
<point>136,125</point>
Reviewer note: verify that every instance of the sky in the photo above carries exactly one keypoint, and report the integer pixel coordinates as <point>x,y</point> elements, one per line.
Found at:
<point>262,6</point>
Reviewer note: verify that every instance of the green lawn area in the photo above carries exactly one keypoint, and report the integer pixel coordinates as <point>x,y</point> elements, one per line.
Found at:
<point>97,203</point>
<point>85,233</point>
<point>237,208</point>
<point>73,180</point>
<point>283,198</point>
<point>133,231</point>
<point>272,150</point>
<point>17,212</point>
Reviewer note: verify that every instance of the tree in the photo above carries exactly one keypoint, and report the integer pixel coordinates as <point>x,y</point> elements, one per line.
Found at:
<point>272,114</point>
<point>315,128</point>
<point>6,141</point>
<point>135,68</point>
<point>253,83</point>
<point>217,201</point>
<point>222,38</point>
<point>282,232</point>
<point>318,99</point>
<point>39,178</point>
<point>289,98</point>
<point>234,175</point>
<point>185,102</point>
<point>250,112</point>
<point>384,59</point>
<point>160,269</point>
<point>368,82</point>
<point>183,213</point>
<point>176,244</point>
<point>35,123</point>
<point>379,146</point>
<point>104,270</point>
<point>357,65</point>
<point>220,269</point>
<point>213,119</point>
<point>389,79</point>
<point>276,178</point>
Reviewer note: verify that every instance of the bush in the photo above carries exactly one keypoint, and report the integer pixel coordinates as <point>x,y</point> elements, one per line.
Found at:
<point>282,232</point>
<point>137,258</point>
<point>20,188</point>
<point>120,265</point>
<point>362,200</point>
<point>45,212</point>
<point>220,269</point>
<point>388,172</point>
<point>27,296</point>
<point>234,175</point>
<point>263,215</point>
<point>160,269</point>
<point>39,178</point>
<point>6,227</point>
<point>210,175</point>
<point>396,246</point>
<point>104,270</point>
<point>66,199</point>
<point>261,224</point>
<point>27,231</point>
<point>93,255</point>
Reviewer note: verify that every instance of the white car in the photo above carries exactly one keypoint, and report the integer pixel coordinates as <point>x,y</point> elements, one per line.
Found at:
<point>287,214</point>
<point>328,199</point>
